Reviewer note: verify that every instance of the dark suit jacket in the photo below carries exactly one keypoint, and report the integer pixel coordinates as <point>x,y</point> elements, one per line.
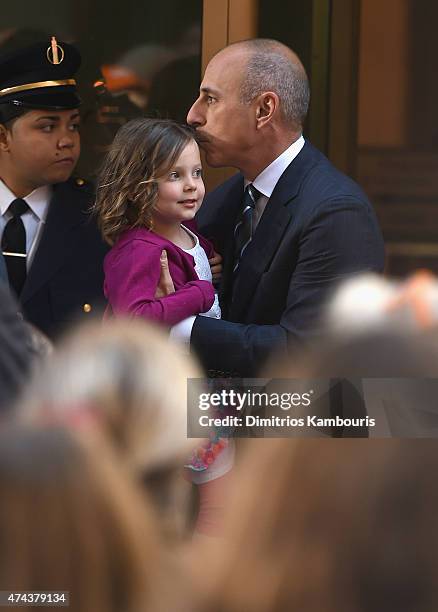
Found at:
<point>67,270</point>
<point>3,272</point>
<point>318,227</point>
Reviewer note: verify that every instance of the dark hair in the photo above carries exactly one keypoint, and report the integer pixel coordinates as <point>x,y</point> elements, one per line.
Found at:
<point>142,152</point>
<point>118,373</point>
<point>9,114</point>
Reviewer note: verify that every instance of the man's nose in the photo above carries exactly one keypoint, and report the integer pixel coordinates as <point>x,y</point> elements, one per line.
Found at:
<point>194,117</point>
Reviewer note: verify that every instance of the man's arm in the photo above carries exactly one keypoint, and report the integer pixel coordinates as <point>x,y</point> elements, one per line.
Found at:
<point>341,238</point>
<point>235,349</point>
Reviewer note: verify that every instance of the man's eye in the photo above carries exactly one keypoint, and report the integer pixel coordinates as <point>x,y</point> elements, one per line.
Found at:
<point>210,100</point>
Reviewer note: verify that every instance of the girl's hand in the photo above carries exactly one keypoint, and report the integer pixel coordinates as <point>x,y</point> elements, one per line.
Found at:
<point>216,266</point>
<point>165,285</point>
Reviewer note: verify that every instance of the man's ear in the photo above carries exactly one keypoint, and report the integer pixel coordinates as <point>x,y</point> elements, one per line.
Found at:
<point>4,138</point>
<point>268,105</point>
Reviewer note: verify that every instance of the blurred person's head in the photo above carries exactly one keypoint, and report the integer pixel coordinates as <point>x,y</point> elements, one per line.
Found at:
<point>369,302</point>
<point>134,383</point>
<point>379,384</point>
<point>378,353</point>
<point>71,519</point>
<point>328,525</point>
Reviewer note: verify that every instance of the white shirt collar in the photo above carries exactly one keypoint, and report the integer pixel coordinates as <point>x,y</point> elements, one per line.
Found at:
<point>267,179</point>
<point>38,200</point>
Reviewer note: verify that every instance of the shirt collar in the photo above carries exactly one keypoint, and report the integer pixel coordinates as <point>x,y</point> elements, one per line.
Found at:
<point>267,179</point>
<point>38,200</point>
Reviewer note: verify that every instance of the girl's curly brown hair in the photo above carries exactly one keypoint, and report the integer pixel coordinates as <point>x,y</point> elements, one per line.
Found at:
<point>143,151</point>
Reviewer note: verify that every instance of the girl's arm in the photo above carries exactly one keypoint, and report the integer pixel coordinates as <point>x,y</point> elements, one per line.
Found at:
<point>131,284</point>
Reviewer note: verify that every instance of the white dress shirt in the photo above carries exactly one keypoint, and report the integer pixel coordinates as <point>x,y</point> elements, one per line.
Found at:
<point>203,270</point>
<point>33,219</point>
<point>265,182</point>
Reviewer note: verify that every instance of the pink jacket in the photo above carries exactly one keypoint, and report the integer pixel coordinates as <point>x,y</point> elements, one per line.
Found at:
<point>132,271</point>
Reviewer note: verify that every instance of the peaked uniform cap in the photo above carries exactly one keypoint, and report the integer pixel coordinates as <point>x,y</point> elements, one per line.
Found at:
<point>31,77</point>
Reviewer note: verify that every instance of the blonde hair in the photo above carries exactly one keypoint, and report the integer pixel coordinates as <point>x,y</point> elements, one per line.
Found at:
<point>141,153</point>
<point>369,302</point>
<point>126,377</point>
<point>135,382</point>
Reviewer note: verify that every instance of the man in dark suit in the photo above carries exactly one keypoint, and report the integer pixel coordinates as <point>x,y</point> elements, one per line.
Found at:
<point>299,228</point>
<point>52,249</point>
<point>3,271</point>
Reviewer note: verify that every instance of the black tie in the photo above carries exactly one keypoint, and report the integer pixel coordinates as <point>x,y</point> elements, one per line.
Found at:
<point>244,230</point>
<point>14,245</point>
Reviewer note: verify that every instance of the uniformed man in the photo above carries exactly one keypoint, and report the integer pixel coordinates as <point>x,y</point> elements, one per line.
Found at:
<point>52,249</point>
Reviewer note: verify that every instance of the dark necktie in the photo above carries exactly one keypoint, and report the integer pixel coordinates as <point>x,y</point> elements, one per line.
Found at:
<point>14,245</point>
<point>244,229</point>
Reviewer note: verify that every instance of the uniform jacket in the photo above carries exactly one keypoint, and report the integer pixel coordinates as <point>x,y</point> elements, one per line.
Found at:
<point>65,281</point>
<point>132,273</point>
<point>318,227</point>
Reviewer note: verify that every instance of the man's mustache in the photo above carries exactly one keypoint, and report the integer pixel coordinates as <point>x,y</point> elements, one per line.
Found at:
<point>201,138</point>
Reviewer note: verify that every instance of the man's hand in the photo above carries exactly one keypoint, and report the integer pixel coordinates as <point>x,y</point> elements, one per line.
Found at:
<point>216,266</point>
<point>165,285</point>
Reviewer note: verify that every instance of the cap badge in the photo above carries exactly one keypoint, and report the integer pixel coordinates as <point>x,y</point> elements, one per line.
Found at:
<point>55,53</point>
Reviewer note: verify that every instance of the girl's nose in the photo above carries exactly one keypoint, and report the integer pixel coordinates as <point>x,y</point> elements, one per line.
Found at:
<point>190,184</point>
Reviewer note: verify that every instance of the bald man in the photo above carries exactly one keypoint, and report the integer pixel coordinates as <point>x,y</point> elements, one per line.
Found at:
<point>289,225</point>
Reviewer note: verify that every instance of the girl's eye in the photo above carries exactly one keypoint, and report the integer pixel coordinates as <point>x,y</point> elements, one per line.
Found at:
<point>74,127</point>
<point>47,128</point>
<point>198,172</point>
<point>173,175</point>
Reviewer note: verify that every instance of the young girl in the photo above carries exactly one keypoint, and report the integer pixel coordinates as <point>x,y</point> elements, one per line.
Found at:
<point>149,189</point>
<point>150,184</point>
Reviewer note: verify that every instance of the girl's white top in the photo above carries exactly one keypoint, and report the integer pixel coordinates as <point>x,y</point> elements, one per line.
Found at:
<point>202,269</point>
<point>224,461</point>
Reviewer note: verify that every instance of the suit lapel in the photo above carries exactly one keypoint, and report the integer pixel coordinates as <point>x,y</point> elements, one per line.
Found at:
<point>270,230</point>
<point>64,214</point>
